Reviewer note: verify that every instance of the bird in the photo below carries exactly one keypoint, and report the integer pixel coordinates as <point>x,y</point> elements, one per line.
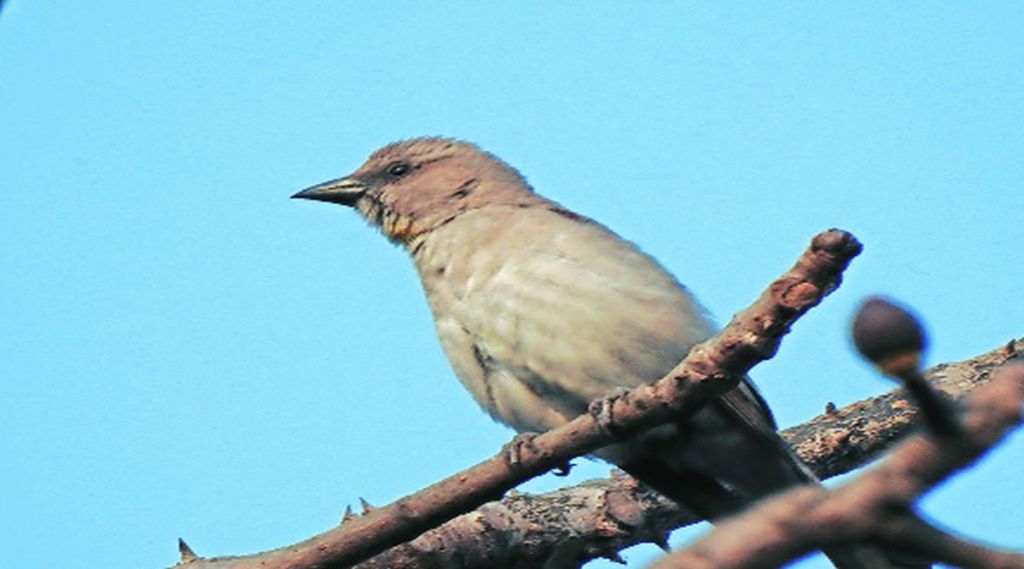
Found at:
<point>541,310</point>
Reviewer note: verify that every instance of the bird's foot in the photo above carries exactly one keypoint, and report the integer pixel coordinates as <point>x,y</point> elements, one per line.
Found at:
<point>602,411</point>
<point>520,444</point>
<point>563,469</point>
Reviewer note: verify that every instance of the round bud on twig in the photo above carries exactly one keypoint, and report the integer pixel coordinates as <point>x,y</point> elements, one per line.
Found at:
<point>892,338</point>
<point>888,335</point>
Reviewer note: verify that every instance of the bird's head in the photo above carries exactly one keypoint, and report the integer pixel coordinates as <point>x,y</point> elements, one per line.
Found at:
<point>410,187</point>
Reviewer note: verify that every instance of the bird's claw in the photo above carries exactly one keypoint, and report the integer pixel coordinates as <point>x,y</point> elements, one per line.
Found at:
<point>602,412</point>
<point>516,447</point>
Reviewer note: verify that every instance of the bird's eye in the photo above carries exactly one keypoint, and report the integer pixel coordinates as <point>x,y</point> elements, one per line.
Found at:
<point>398,169</point>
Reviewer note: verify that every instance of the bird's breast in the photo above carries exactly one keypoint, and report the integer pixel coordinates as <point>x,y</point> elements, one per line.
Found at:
<point>560,306</point>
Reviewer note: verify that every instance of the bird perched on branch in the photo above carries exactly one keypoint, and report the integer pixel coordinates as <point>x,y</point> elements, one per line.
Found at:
<point>541,310</point>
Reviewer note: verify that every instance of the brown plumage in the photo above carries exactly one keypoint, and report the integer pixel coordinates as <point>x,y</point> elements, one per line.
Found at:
<point>541,310</point>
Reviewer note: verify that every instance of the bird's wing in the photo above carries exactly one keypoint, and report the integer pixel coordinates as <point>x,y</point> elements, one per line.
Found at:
<point>544,312</point>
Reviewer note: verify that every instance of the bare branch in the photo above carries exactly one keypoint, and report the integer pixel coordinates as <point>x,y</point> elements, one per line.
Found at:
<point>710,369</point>
<point>838,442</point>
<point>875,505</point>
<point>950,549</point>
<point>599,516</point>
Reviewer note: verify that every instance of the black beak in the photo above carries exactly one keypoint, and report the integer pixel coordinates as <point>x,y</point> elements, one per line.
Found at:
<point>344,191</point>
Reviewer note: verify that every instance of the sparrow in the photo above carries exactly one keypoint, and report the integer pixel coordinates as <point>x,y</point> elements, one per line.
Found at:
<point>541,310</point>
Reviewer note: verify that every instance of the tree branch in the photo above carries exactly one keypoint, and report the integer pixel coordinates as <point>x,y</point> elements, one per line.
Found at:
<point>710,369</point>
<point>875,506</point>
<point>947,548</point>
<point>599,517</point>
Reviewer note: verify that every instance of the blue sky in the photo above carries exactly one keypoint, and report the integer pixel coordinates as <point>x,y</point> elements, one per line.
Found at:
<point>188,353</point>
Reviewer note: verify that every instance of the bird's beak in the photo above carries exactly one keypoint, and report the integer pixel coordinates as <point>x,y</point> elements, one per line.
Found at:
<point>344,191</point>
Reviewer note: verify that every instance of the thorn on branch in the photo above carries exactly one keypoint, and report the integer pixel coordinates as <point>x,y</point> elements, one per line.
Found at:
<point>187,555</point>
<point>1011,348</point>
<point>367,508</point>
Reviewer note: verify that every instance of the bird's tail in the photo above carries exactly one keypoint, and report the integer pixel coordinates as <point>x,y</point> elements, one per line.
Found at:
<point>713,502</point>
<point>725,457</point>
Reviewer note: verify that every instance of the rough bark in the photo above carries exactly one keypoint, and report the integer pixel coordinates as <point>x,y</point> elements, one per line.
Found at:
<point>599,518</point>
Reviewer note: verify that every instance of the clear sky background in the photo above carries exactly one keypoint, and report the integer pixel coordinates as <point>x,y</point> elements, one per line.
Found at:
<point>186,352</point>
